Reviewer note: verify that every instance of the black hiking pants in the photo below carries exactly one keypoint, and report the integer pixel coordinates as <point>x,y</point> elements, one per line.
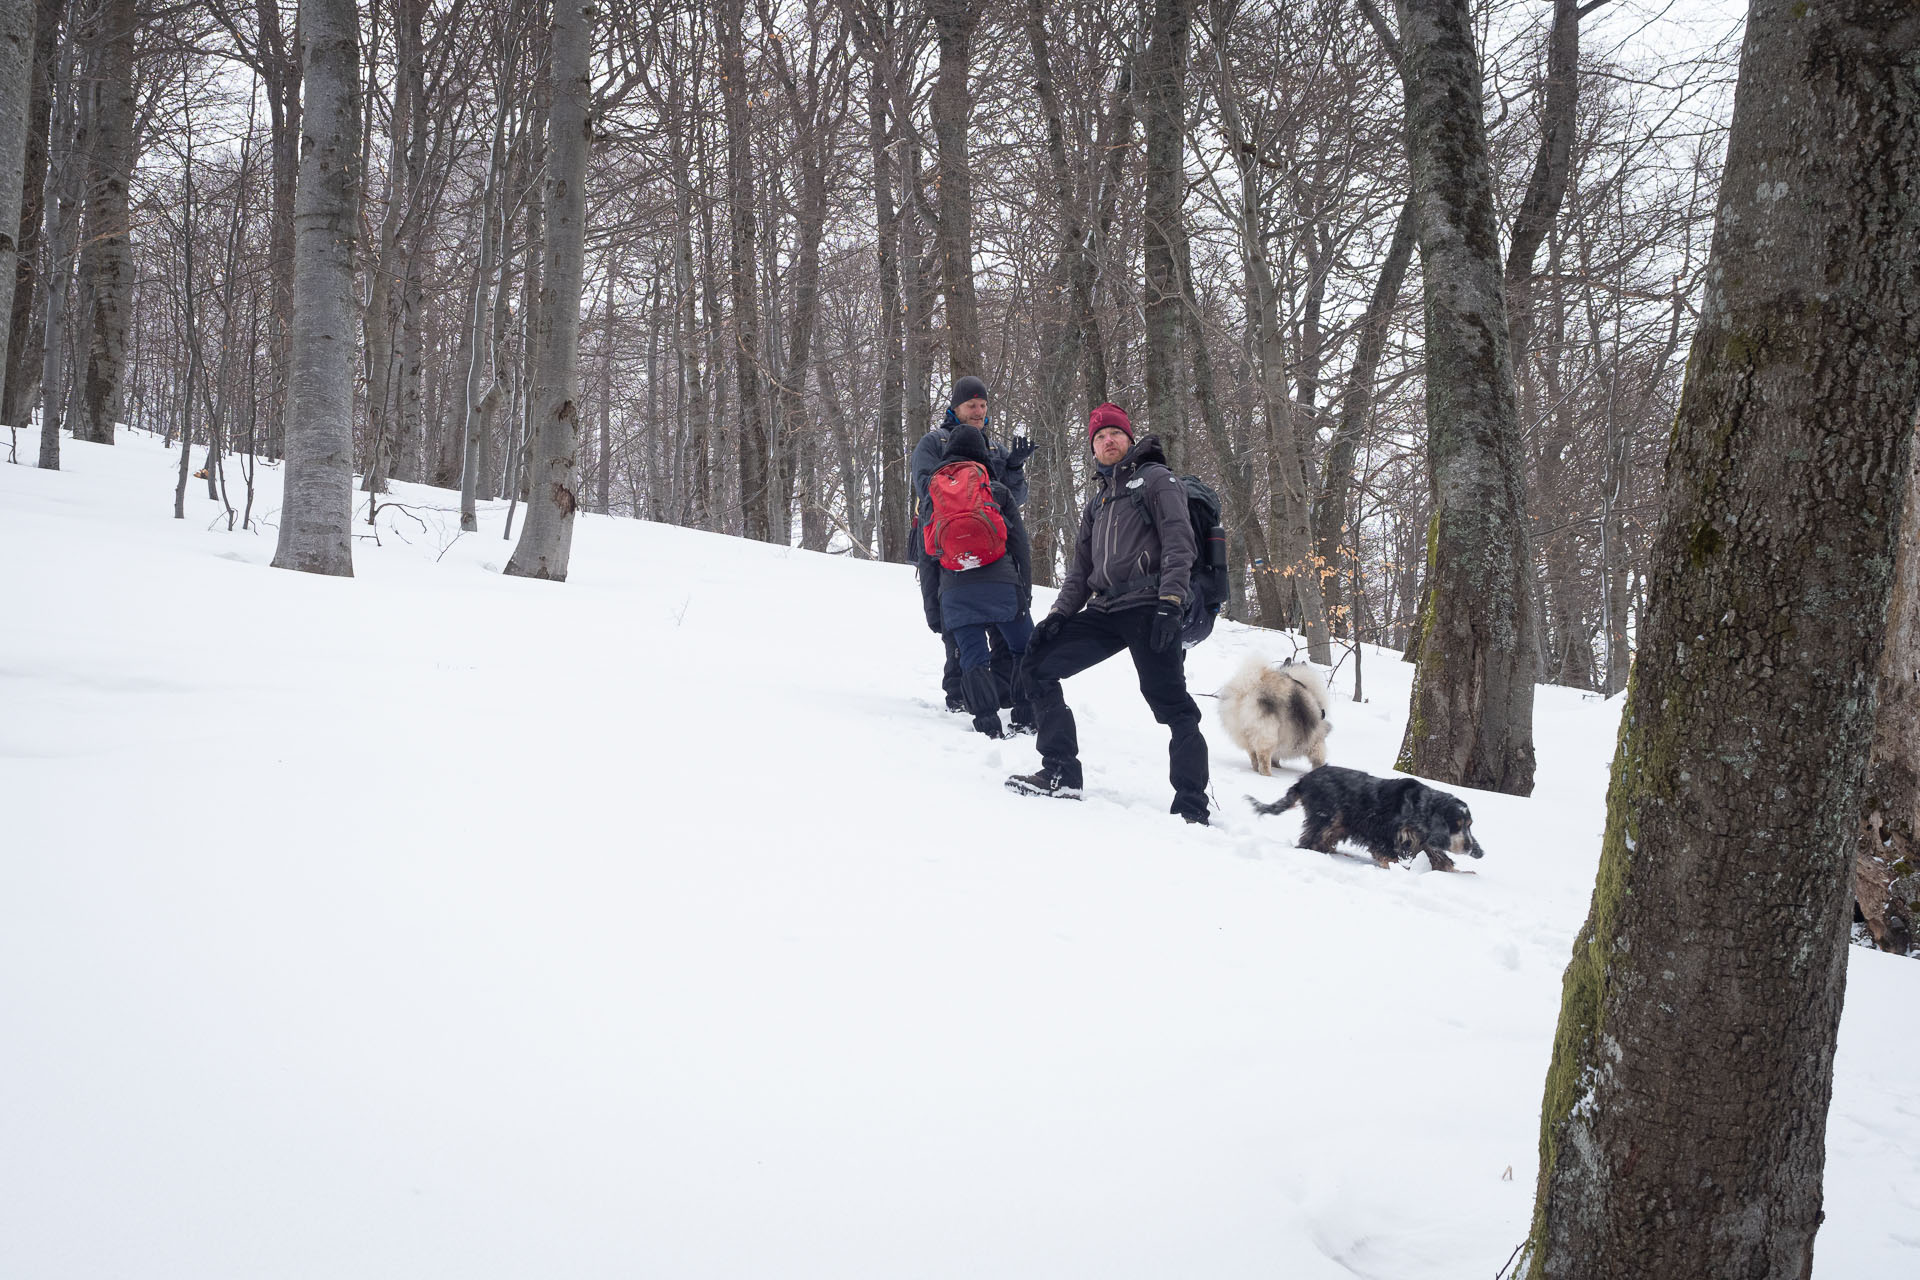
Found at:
<point>1005,663</point>
<point>1090,638</point>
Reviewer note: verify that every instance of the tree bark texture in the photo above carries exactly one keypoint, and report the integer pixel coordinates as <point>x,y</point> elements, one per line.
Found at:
<point>546,537</point>
<point>1887,874</point>
<point>315,515</point>
<point>22,375</point>
<point>743,272</point>
<point>480,348</point>
<point>1684,1123</point>
<point>106,254</point>
<point>16,78</point>
<point>952,106</point>
<point>895,513</point>
<point>1163,80</point>
<point>63,202</point>
<point>1471,719</point>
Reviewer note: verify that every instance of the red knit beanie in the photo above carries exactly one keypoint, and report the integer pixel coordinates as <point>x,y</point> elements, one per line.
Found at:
<point>1108,415</point>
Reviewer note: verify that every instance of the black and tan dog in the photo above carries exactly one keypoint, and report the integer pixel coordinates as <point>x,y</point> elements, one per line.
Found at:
<point>1395,818</point>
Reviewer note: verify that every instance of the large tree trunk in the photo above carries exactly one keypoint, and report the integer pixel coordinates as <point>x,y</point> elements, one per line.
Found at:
<point>279,65</point>
<point>479,353</point>
<point>106,254</point>
<point>875,38</point>
<point>1683,1131</point>
<point>16,84</point>
<point>816,113</point>
<point>315,515</point>
<point>546,539</point>
<point>952,106</point>
<point>1887,874</point>
<point>755,482</point>
<point>687,336</point>
<point>21,378</point>
<point>63,218</point>
<point>1471,719</point>
<point>386,305</point>
<point>1163,80</point>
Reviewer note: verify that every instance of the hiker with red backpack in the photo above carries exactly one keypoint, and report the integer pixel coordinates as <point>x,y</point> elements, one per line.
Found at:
<point>968,405</point>
<point>1138,571</point>
<point>977,578</point>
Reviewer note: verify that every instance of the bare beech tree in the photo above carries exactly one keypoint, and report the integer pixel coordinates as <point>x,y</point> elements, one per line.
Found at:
<point>546,540</point>
<point>27,31</point>
<point>1683,1131</point>
<point>16,76</point>
<point>315,516</point>
<point>106,256</point>
<point>1471,720</point>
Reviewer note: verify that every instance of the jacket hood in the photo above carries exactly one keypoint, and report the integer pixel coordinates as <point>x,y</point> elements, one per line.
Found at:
<point>1146,449</point>
<point>969,442</point>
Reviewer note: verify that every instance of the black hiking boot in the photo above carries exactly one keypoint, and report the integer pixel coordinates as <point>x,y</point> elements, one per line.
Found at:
<point>956,704</point>
<point>1020,727</point>
<point>1049,781</point>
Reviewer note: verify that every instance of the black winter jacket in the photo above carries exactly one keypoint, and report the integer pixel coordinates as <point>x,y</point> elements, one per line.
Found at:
<point>931,453</point>
<point>1136,541</point>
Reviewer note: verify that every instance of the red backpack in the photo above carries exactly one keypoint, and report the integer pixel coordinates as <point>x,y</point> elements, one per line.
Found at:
<point>967,529</point>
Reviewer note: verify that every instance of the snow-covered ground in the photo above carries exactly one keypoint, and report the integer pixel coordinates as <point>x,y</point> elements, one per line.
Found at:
<point>660,923</point>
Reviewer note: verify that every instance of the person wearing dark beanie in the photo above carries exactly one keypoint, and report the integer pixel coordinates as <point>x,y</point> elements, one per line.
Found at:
<point>978,590</point>
<point>965,389</point>
<point>967,404</point>
<point>1128,588</point>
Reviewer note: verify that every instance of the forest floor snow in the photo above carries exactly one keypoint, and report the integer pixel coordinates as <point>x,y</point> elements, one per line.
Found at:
<point>661,923</point>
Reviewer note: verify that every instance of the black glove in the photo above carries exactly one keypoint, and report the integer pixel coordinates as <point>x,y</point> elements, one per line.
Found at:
<point>1167,621</point>
<point>1022,450</point>
<point>933,621</point>
<point>1046,631</point>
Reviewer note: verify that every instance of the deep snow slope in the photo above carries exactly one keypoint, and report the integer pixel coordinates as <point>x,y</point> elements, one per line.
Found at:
<point>660,923</point>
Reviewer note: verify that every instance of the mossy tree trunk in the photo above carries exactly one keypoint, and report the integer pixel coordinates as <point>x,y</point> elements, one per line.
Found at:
<point>1683,1130</point>
<point>1471,719</point>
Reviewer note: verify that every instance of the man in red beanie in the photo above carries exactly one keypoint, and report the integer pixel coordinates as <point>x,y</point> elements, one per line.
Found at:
<point>1127,589</point>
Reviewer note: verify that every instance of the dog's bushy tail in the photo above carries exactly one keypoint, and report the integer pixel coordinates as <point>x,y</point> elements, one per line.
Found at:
<point>1281,805</point>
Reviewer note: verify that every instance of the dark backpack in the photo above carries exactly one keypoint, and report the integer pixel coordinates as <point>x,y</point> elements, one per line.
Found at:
<point>966,529</point>
<point>1208,585</point>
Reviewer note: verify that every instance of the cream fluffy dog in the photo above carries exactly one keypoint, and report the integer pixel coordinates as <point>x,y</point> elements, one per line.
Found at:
<point>1274,713</point>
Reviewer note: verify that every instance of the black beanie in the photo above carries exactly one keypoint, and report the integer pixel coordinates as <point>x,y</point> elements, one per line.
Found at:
<point>968,442</point>
<point>968,388</point>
